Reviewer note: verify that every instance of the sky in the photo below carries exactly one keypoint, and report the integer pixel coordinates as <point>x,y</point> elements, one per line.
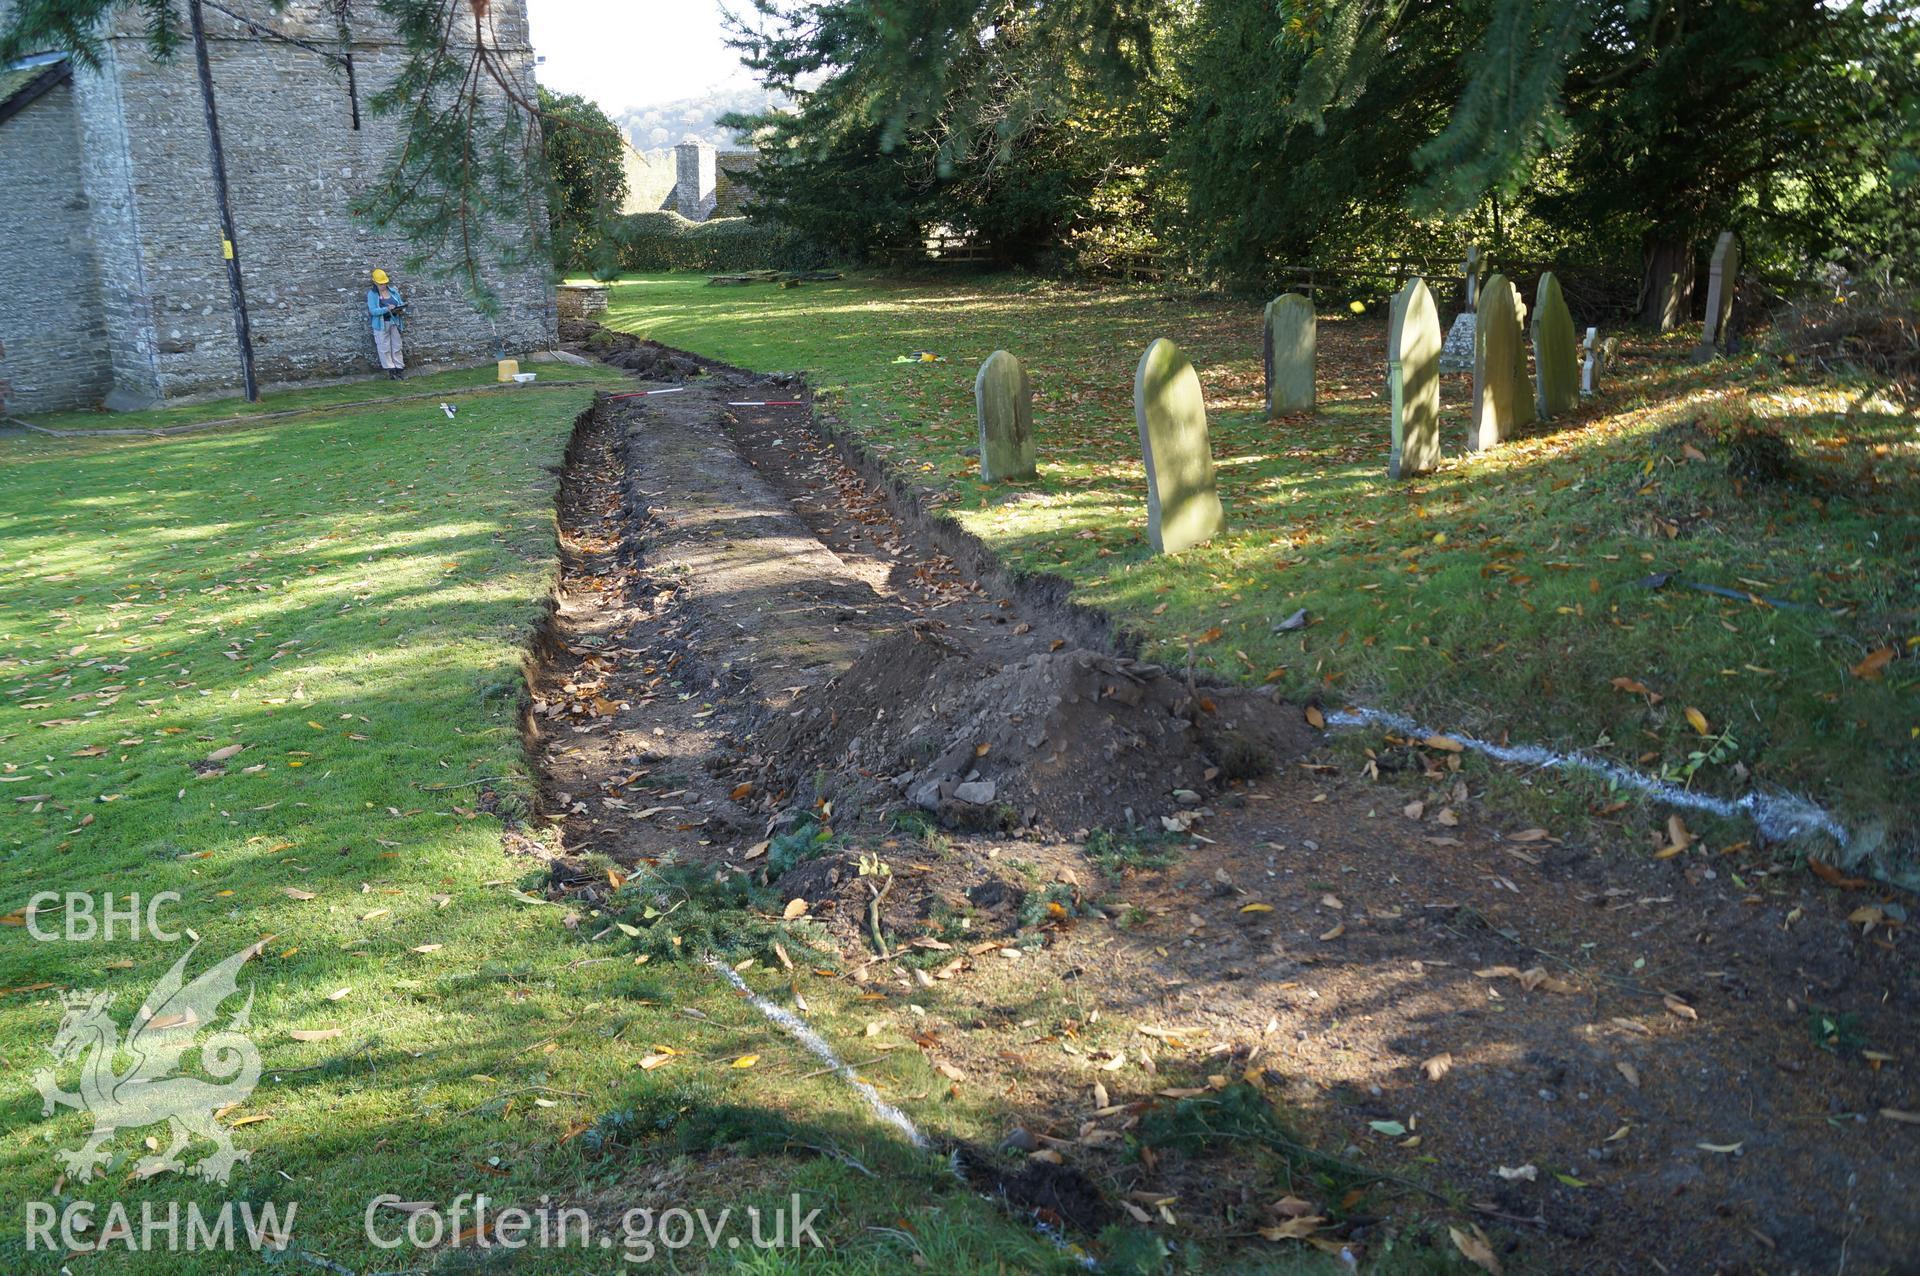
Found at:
<point>623,53</point>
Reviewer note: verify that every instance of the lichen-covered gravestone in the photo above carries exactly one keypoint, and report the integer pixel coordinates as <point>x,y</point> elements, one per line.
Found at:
<point>1556,361</point>
<point>1003,398</point>
<point>1723,275</point>
<point>1496,355</point>
<point>1183,507</point>
<point>1288,344</point>
<point>1413,379</point>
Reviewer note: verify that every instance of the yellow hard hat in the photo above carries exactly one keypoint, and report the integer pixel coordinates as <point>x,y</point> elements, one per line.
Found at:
<point>379,276</point>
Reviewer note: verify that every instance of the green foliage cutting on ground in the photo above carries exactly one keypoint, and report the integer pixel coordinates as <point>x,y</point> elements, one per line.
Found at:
<point>277,670</point>
<point>1500,596</point>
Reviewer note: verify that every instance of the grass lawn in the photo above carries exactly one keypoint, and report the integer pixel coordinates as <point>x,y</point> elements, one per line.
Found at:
<point>1497,597</point>
<point>275,670</point>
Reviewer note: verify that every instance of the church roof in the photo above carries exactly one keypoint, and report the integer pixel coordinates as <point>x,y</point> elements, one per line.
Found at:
<point>23,81</point>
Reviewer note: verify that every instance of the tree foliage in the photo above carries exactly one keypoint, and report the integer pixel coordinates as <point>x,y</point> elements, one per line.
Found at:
<point>585,158</point>
<point>1254,131</point>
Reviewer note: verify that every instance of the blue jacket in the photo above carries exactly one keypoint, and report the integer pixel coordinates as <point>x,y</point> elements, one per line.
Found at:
<point>383,313</point>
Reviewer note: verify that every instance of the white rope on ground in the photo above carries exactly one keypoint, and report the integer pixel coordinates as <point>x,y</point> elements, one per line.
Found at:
<point>1777,815</point>
<point>796,1028</point>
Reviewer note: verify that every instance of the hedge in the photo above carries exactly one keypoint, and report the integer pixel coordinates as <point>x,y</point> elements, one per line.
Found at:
<point>665,240</point>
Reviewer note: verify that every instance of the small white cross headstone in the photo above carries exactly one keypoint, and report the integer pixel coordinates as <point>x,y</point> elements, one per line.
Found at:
<point>1590,363</point>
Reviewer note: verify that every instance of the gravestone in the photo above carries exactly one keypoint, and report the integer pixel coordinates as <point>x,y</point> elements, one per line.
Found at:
<point>1524,412</point>
<point>1413,379</point>
<point>1003,399</point>
<point>1496,354</point>
<point>1470,271</point>
<point>1456,353</point>
<point>1590,362</point>
<point>1721,278</point>
<point>1183,507</point>
<point>1554,358</point>
<point>1288,343</point>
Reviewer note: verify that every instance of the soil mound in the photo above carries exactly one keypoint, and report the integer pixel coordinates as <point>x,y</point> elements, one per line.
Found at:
<point>650,361</point>
<point>1076,738</point>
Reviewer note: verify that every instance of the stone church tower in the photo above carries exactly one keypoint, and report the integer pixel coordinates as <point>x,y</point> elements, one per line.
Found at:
<point>113,280</point>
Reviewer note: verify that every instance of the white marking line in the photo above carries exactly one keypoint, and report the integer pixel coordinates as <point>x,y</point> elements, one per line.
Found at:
<point>1776,815</point>
<point>799,1031</point>
<point>641,394</point>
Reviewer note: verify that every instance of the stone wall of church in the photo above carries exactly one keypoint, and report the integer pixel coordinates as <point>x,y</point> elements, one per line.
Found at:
<point>52,339</point>
<point>296,165</point>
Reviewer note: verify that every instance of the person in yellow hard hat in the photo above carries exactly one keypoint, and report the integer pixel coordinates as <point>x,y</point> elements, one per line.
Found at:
<point>386,311</point>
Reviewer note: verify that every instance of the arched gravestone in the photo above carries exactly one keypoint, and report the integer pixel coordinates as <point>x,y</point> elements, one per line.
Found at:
<point>1556,360</point>
<point>1003,397</point>
<point>1496,355</point>
<point>1288,345</point>
<point>1413,380</point>
<point>1183,507</point>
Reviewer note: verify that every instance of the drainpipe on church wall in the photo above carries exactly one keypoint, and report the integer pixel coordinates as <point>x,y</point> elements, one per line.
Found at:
<point>229,247</point>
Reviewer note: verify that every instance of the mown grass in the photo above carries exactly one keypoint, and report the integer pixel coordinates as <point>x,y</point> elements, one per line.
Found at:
<point>343,597</point>
<point>1499,596</point>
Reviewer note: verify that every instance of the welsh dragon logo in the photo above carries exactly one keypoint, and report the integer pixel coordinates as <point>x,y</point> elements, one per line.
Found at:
<point>169,1023</point>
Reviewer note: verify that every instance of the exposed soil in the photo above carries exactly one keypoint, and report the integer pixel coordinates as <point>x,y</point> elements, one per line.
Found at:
<point>1694,1056</point>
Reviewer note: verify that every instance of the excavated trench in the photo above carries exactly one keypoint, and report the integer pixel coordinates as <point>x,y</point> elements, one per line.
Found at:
<point>749,614</point>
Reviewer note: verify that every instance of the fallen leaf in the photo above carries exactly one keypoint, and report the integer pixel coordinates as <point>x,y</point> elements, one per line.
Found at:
<point>796,907</point>
<point>1336,932</point>
<point>745,1061</point>
<point>1316,719</point>
<point>1631,1073</point>
<point>741,790</point>
<point>1874,667</point>
<point>1725,1149</point>
<point>948,1071</point>
<point>1445,743</point>
<point>1475,1248</point>
<point>315,1034</point>
<point>1678,1008</point>
<point>1294,1229</point>
<point>1834,877</point>
<point>1256,908</point>
<point>1633,686</point>
<point>1438,1066</point>
<point>294,892</point>
<point>1697,720</point>
<point>1906,1118</point>
<point>1524,1173</point>
<point>1392,1129</point>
